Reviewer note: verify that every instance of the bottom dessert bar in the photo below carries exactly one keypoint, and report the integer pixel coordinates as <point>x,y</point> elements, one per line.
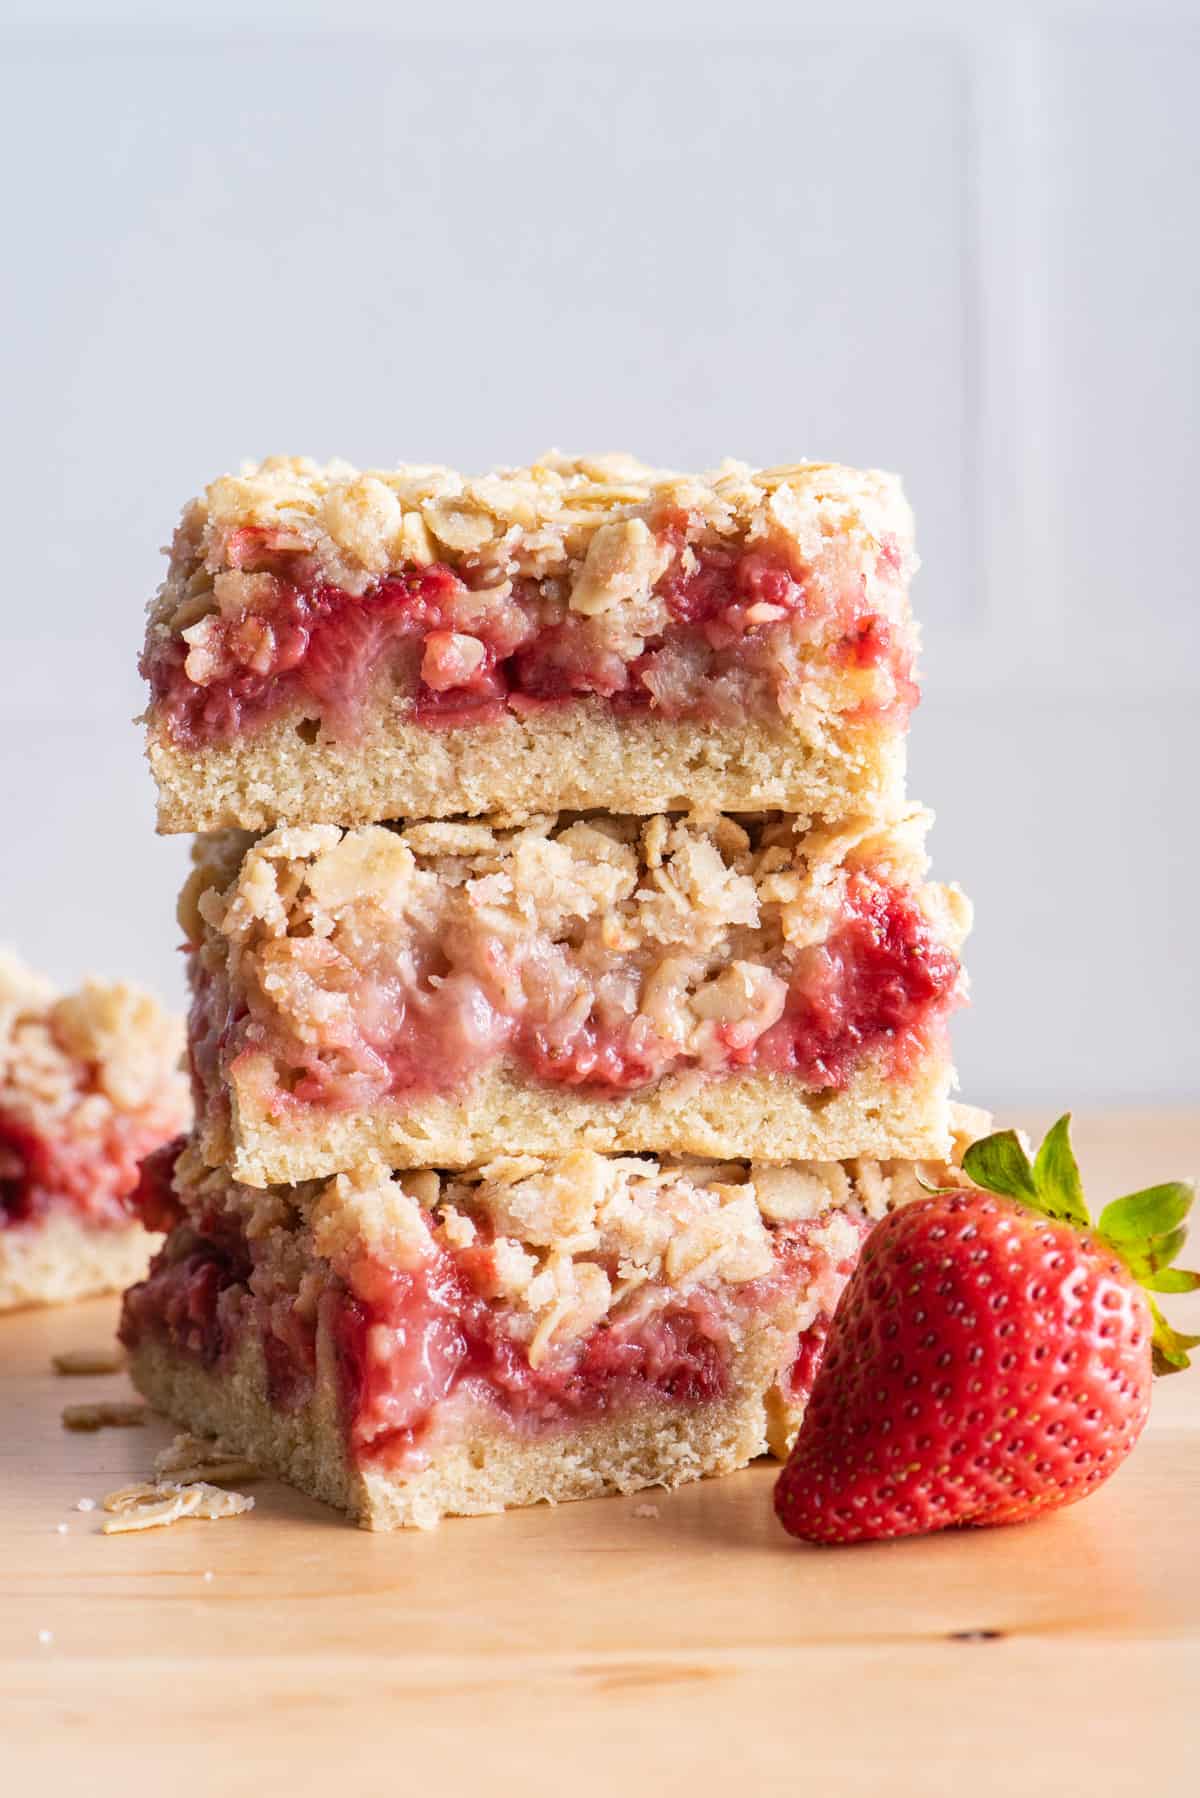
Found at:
<point>89,1084</point>
<point>412,1346</point>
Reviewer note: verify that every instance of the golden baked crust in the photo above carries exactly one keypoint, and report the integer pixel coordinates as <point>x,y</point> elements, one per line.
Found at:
<point>573,756</point>
<point>61,1257</point>
<point>768,1117</point>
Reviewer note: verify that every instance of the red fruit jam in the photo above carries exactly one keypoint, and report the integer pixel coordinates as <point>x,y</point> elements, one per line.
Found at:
<point>739,623</point>
<point>203,1293</point>
<point>878,982</point>
<point>93,1175</point>
<point>420,1336</point>
<point>826,1280</point>
<point>153,1199</point>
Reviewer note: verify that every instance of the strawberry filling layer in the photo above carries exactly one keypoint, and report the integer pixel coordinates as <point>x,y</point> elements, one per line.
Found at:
<point>733,632</point>
<point>406,1343</point>
<point>92,1175</point>
<point>879,985</point>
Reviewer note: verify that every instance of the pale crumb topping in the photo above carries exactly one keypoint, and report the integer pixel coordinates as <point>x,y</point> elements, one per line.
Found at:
<point>188,1460</point>
<point>70,1064</point>
<point>89,1361</point>
<point>104,1415</point>
<point>560,1243</point>
<point>690,923</point>
<point>589,523</point>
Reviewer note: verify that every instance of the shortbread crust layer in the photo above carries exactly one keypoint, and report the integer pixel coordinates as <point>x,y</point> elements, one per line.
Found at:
<point>346,646</point>
<point>63,1257</point>
<point>558,760</point>
<point>434,994</point>
<point>419,1345</point>
<point>765,1115</point>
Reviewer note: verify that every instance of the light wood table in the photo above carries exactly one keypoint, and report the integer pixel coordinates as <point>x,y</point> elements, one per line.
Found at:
<point>594,1649</point>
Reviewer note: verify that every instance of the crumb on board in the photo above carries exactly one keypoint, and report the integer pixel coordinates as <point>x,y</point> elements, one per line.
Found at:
<point>45,1637</point>
<point>104,1415</point>
<point>158,1503</point>
<point>85,1504</point>
<point>190,1459</point>
<point>645,1510</point>
<point>89,1360</point>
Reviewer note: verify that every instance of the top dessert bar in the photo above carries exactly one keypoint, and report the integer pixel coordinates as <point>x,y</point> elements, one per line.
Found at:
<point>332,646</point>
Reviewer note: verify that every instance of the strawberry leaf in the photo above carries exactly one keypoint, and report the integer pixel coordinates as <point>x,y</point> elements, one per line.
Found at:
<point>1145,1230</point>
<point>1158,1253</point>
<point>1000,1164</point>
<point>1170,1350</point>
<point>1172,1279</point>
<point>1056,1175</point>
<point>1151,1212</point>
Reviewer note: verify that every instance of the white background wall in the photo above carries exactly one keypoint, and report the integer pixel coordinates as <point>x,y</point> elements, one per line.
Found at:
<point>956,241</point>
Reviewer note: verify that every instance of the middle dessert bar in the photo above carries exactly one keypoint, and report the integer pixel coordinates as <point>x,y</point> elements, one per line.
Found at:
<point>434,994</point>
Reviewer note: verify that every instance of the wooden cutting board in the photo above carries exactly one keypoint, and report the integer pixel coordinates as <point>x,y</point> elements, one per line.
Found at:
<point>607,1647</point>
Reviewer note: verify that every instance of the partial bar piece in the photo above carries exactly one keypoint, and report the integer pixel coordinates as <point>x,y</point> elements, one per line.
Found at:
<point>417,1345</point>
<point>89,1084</point>
<point>434,994</point>
<point>340,647</point>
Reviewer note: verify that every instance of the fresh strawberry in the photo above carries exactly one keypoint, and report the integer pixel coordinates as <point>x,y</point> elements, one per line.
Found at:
<point>992,1353</point>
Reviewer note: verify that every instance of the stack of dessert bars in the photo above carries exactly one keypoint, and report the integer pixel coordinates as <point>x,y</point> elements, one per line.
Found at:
<point>568,997</point>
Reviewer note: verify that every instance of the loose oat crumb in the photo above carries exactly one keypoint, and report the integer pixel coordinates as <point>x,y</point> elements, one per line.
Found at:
<point>208,1574</point>
<point>103,1416</point>
<point>645,1510</point>
<point>190,1459</point>
<point>155,1504</point>
<point>45,1637</point>
<point>85,1361</point>
<point>85,1504</point>
<point>61,1528</point>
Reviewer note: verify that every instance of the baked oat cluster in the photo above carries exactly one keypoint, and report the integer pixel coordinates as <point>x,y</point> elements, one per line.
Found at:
<point>569,997</point>
<point>89,1085</point>
<point>595,526</point>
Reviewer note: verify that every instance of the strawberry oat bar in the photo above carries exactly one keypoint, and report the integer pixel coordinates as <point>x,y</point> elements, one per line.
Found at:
<point>89,1084</point>
<point>332,646</point>
<point>434,994</point>
<point>413,1345</point>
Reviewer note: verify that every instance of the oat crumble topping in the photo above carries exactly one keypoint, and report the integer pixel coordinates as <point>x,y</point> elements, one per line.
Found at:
<point>560,1244</point>
<point>679,935</point>
<point>739,591</point>
<point>577,519</point>
<point>89,1083</point>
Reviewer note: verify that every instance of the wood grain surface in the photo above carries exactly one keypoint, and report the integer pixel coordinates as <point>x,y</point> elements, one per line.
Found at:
<point>594,1649</point>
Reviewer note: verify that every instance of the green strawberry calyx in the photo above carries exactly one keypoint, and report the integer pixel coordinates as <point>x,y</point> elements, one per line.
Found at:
<point>1145,1230</point>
